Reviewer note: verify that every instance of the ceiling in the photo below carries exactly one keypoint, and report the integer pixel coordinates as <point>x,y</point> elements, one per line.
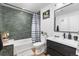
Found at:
<point>68,9</point>
<point>34,7</point>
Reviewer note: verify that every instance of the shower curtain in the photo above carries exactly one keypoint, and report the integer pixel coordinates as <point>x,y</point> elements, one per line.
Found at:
<point>36,28</point>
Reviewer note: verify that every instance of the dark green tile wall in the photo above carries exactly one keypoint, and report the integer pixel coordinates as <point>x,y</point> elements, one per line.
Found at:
<point>1,26</point>
<point>16,22</point>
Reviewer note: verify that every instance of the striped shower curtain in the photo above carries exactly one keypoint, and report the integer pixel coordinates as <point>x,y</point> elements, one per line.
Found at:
<point>36,28</point>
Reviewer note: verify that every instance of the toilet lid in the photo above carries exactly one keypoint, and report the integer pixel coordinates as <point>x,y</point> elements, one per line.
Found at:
<point>38,44</point>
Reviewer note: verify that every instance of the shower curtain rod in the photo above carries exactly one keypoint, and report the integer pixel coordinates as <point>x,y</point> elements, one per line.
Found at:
<point>15,7</point>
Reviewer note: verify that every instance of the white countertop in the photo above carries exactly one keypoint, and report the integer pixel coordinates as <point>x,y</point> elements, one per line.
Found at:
<point>10,42</point>
<point>68,42</point>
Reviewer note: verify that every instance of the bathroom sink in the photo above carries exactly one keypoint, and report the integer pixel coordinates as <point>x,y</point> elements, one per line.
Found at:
<point>9,42</point>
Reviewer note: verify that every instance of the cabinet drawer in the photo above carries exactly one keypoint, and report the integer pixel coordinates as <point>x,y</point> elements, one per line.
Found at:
<point>65,50</point>
<point>51,43</point>
<point>61,49</point>
<point>52,52</point>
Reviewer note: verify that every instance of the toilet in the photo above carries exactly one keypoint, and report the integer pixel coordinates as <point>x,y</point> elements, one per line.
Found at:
<point>39,47</point>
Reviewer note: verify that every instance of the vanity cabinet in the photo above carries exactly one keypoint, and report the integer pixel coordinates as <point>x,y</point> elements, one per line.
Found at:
<point>57,49</point>
<point>7,51</point>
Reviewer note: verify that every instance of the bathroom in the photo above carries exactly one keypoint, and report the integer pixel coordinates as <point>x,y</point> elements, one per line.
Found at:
<point>39,29</point>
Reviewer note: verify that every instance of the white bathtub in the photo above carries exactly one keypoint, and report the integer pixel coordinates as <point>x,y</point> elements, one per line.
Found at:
<point>23,47</point>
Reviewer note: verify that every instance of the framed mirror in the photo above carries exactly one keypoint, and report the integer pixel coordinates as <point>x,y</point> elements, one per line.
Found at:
<point>66,19</point>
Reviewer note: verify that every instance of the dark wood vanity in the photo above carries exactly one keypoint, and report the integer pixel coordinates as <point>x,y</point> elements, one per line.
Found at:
<point>58,49</point>
<point>7,50</point>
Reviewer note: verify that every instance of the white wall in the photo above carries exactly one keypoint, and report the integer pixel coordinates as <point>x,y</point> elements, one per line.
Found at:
<point>47,25</point>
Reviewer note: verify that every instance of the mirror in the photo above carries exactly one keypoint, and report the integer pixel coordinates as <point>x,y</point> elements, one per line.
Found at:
<point>66,19</point>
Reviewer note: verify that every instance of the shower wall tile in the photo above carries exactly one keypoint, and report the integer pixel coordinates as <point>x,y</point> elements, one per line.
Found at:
<point>16,22</point>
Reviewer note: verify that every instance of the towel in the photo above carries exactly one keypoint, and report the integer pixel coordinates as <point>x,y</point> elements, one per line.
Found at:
<point>1,43</point>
